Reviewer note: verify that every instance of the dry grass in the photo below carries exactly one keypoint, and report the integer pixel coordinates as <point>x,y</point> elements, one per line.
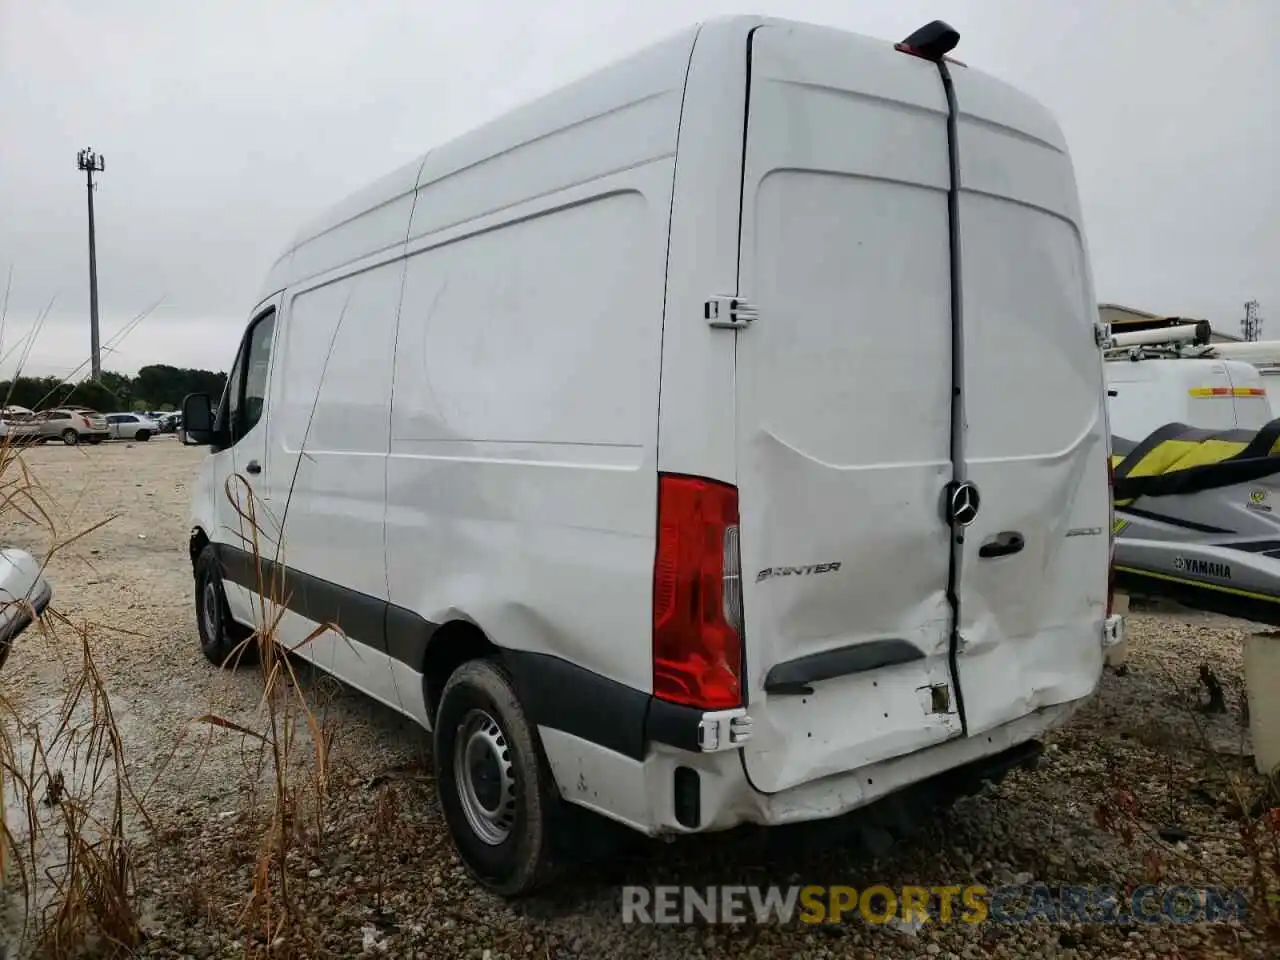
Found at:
<point>72,868</point>
<point>70,777</point>
<point>72,865</point>
<point>1129,812</point>
<point>293,817</point>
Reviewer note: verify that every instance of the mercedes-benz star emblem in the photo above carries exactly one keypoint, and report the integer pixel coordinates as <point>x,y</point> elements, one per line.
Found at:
<point>964,503</point>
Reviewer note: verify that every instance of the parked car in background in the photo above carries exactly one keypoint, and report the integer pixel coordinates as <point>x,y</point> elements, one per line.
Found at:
<point>162,418</point>
<point>70,425</point>
<point>131,426</point>
<point>18,428</point>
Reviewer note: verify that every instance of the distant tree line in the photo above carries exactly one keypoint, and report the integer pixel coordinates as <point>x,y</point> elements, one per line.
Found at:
<point>156,387</point>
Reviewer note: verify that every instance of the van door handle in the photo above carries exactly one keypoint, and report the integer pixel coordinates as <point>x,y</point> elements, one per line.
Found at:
<point>1002,545</point>
<point>253,466</point>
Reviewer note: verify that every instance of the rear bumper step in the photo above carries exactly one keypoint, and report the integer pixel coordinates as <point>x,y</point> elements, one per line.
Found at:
<point>902,814</point>
<point>972,775</point>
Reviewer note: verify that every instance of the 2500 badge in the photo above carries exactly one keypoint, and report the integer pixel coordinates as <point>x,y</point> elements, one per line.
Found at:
<point>769,573</point>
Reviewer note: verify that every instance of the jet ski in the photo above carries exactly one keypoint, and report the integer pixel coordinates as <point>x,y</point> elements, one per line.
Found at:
<point>1197,519</point>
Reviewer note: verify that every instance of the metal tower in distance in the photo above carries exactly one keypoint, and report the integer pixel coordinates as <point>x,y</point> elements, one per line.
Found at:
<point>1251,325</point>
<point>92,163</point>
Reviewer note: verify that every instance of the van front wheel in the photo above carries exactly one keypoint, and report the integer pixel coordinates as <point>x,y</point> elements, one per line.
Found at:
<point>496,793</point>
<point>222,639</point>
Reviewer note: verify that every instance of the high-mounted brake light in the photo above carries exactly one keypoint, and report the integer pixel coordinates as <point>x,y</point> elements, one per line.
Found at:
<point>931,42</point>
<point>697,595</point>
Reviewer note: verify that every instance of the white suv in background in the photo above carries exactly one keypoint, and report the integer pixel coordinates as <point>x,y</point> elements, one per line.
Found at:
<point>131,426</point>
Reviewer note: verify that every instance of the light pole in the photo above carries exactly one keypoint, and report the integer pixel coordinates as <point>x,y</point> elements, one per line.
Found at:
<point>89,162</point>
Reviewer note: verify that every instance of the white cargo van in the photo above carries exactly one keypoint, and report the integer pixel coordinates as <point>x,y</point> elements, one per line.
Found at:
<point>719,439</point>
<point>1210,394</point>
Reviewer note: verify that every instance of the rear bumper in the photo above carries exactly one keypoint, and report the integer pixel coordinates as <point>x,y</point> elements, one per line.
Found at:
<point>562,695</point>
<point>726,799</point>
<point>663,769</point>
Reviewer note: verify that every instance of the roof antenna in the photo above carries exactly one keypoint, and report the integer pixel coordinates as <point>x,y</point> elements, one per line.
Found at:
<point>933,41</point>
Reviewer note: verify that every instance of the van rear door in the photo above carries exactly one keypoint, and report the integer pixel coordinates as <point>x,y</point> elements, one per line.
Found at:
<point>1033,572</point>
<point>843,405</point>
<point>869,633</point>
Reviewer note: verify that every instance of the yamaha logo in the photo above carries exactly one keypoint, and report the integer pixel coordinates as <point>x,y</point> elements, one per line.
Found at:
<point>963,503</point>
<point>1203,568</point>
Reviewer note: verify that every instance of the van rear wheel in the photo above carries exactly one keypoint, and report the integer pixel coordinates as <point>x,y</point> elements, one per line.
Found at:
<point>494,788</point>
<point>222,639</point>
<point>70,437</point>
<point>142,436</point>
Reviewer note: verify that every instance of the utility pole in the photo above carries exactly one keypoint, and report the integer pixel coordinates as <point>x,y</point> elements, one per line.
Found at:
<point>91,162</point>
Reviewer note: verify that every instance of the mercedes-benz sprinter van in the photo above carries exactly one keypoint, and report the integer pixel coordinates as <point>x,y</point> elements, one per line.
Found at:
<point>720,439</point>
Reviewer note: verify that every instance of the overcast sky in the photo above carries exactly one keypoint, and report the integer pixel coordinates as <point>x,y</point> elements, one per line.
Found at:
<point>225,124</point>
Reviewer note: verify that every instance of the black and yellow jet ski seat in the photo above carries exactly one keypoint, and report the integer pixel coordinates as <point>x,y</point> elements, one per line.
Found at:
<point>1178,459</point>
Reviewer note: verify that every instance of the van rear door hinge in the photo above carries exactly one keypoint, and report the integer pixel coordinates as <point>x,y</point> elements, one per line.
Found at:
<point>1102,334</point>
<point>729,312</point>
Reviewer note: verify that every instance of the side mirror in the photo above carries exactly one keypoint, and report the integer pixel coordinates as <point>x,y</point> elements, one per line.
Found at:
<point>197,420</point>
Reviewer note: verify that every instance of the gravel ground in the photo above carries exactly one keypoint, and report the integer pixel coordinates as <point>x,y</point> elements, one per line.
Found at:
<point>375,874</point>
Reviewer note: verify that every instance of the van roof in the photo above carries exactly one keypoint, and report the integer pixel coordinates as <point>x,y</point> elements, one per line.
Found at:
<point>636,82</point>
<point>641,75</point>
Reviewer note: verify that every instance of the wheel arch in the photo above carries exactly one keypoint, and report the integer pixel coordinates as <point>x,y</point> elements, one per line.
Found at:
<point>452,644</point>
<point>198,541</point>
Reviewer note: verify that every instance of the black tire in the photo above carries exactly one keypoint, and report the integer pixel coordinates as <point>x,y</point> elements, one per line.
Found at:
<point>142,436</point>
<point>222,640</point>
<point>70,437</point>
<point>480,692</point>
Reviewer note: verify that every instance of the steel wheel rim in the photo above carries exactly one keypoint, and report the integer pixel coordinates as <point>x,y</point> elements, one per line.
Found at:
<point>209,600</point>
<point>485,776</point>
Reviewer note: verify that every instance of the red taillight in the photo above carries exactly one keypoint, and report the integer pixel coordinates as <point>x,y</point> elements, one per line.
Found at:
<point>86,423</point>
<point>697,643</point>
